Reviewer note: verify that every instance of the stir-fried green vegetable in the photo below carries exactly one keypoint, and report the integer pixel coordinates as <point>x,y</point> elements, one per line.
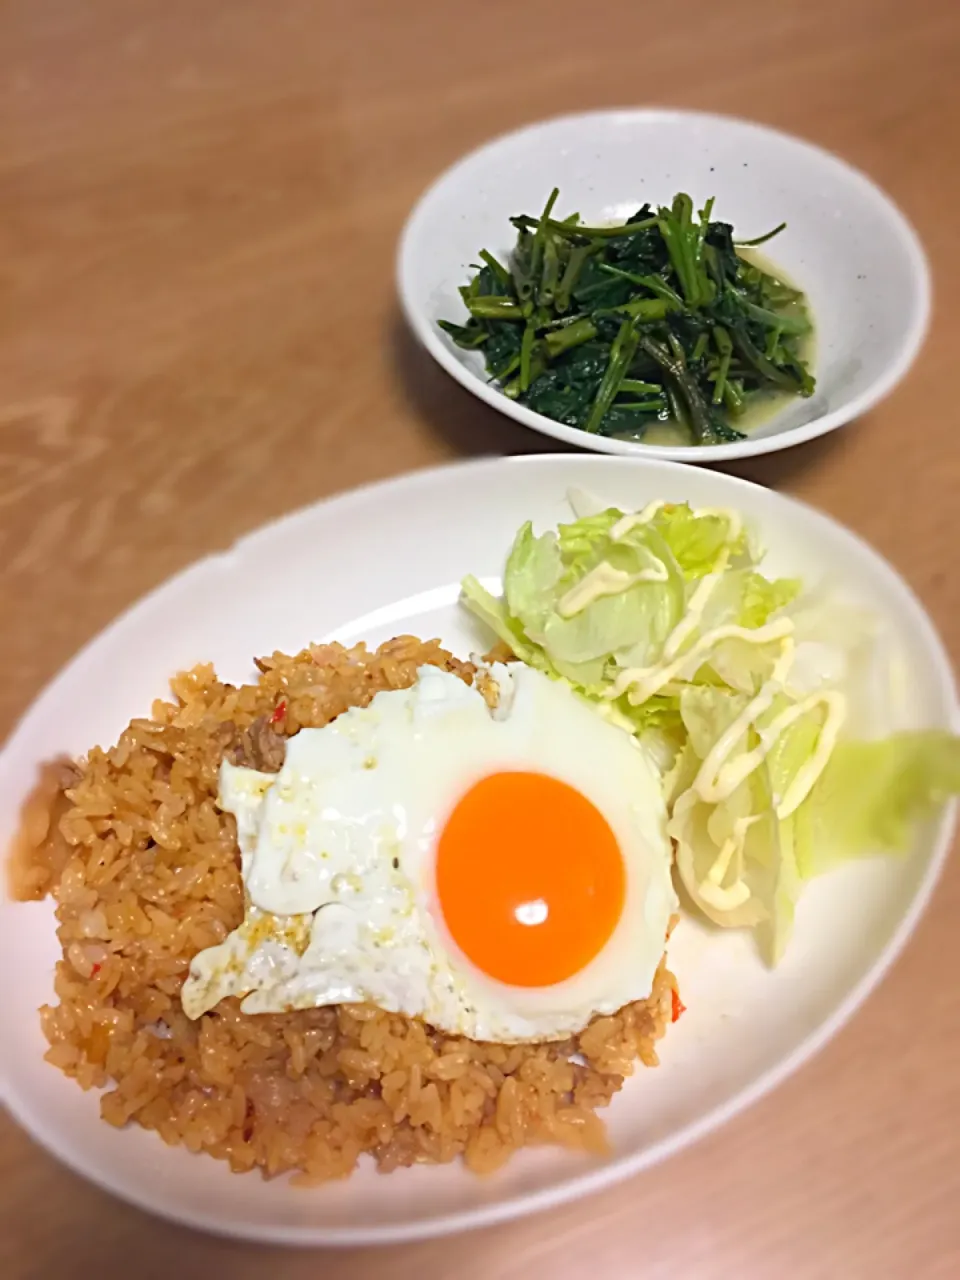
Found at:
<point>657,319</point>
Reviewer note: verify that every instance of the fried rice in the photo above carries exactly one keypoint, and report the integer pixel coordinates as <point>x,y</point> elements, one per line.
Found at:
<point>144,869</point>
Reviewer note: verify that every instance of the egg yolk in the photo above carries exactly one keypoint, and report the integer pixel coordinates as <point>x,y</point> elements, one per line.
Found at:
<point>530,878</point>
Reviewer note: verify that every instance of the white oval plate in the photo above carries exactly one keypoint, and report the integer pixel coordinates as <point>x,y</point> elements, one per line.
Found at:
<point>386,560</point>
<point>846,245</point>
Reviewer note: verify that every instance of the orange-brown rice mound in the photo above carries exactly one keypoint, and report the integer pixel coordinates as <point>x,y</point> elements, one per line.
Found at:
<point>144,869</point>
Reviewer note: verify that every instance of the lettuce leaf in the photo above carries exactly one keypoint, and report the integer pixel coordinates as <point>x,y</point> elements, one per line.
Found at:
<point>696,540</point>
<point>760,881</point>
<point>679,600</point>
<point>748,599</point>
<point>534,568</point>
<point>701,832</point>
<point>707,713</point>
<point>871,795</point>
<point>741,665</point>
<point>583,537</point>
<point>761,598</point>
<point>634,622</point>
<point>493,612</point>
<point>774,933</point>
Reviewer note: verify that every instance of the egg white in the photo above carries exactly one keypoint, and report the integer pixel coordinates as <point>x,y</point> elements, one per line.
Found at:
<point>337,854</point>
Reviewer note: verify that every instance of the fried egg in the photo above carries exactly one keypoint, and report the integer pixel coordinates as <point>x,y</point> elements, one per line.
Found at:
<point>501,872</point>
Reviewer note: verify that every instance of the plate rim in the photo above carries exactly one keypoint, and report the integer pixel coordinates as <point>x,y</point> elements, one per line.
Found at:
<point>590,1179</point>
<point>753,446</point>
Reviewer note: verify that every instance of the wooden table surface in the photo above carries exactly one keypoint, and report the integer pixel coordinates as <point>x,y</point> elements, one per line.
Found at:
<point>199,206</point>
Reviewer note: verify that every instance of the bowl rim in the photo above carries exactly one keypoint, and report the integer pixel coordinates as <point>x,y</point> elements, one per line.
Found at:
<point>622,1167</point>
<point>912,339</point>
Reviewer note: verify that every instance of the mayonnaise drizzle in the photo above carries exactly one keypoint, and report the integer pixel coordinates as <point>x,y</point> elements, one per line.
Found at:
<point>811,769</point>
<point>644,682</point>
<point>711,888</point>
<point>718,776</point>
<point>691,619</point>
<point>634,518</point>
<point>605,580</point>
<point>717,779</point>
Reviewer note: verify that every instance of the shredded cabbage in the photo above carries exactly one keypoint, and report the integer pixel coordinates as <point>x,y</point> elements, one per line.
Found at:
<point>745,692</point>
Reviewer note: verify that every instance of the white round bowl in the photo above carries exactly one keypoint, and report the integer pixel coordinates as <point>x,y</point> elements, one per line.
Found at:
<point>846,245</point>
<point>746,1027</point>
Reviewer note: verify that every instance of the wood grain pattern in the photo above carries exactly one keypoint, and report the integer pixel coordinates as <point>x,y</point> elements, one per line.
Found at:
<point>198,331</point>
